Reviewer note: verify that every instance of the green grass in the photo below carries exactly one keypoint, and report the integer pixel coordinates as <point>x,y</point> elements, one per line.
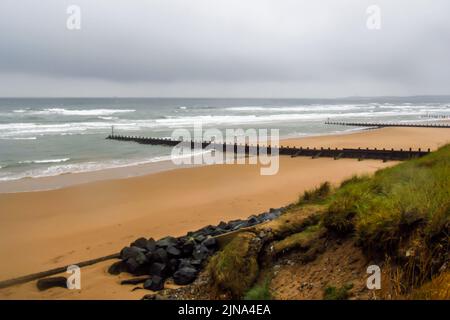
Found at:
<point>398,209</point>
<point>334,293</point>
<point>259,291</point>
<point>382,209</point>
<point>297,240</point>
<point>317,195</point>
<point>235,268</point>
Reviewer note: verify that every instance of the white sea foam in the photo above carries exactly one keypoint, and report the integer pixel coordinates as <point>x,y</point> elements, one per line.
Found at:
<point>74,112</point>
<point>19,138</point>
<point>45,161</point>
<point>21,130</point>
<point>272,118</point>
<point>305,108</point>
<point>26,129</point>
<point>90,166</point>
<point>108,118</point>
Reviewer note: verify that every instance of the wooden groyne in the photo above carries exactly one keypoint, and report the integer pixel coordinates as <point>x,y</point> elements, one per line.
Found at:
<point>249,149</point>
<point>389,124</point>
<point>51,272</point>
<point>437,116</point>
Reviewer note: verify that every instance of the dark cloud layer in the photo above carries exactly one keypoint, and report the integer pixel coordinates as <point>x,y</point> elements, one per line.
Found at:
<point>224,48</point>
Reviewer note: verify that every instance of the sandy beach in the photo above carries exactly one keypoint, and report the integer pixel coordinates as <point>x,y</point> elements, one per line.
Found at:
<point>41,230</point>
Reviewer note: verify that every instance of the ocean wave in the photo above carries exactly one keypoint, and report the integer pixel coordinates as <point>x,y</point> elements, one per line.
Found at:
<point>108,118</point>
<point>19,138</point>
<point>20,130</point>
<point>26,129</point>
<point>74,112</point>
<point>44,161</point>
<point>409,106</point>
<point>172,122</point>
<point>90,166</point>
<point>306,108</point>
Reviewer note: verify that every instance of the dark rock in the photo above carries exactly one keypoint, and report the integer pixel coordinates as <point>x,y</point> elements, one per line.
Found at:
<point>173,265</point>
<point>151,245</point>
<point>173,252</point>
<point>234,224</point>
<point>188,247</point>
<point>47,283</point>
<point>210,243</point>
<point>207,230</point>
<point>150,256</point>
<point>117,267</point>
<point>200,252</point>
<point>218,231</point>
<point>191,263</point>
<point>126,253</point>
<point>185,276</point>
<point>200,238</point>
<point>262,216</point>
<point>141,258</point>
<point>158,269</point>
<point>135,280</point>
<point>275,212</point>
<point>130,252</point>
<point>223,225</point>
<point>189,234</point>
<point>132,265</point>
<point>166,242</point>
<point>155,283</point>
<point>195,263</point>
<point>182,240</point>
<point>271,216</point>
<point>185,263</point>
<point>140,243</point>
<point>160,255</point>
<point>252,221</point>
<point>239,226</point>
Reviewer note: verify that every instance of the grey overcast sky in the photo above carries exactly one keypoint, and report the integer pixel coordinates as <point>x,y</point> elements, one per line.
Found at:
<point>224,48</point>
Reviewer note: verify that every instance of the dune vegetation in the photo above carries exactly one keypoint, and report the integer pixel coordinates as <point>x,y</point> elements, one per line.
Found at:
<point>399,217</point>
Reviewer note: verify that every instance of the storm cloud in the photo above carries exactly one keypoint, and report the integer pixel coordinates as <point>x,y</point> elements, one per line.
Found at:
<point>224,48</point>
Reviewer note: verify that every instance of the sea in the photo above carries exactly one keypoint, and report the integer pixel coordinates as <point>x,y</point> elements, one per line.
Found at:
<point>41,137</point>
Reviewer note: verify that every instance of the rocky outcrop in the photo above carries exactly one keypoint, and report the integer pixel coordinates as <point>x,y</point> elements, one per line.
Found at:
<point>181,258</point>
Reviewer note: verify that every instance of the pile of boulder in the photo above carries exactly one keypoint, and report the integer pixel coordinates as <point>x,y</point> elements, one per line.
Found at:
<point>181,258</point>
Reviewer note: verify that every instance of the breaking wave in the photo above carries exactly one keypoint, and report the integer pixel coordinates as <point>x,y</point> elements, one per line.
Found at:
<point>74,112</point>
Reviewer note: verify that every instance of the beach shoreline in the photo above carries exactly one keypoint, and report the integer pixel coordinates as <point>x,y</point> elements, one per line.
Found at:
<point>58,181</point>
<point>361,137</point>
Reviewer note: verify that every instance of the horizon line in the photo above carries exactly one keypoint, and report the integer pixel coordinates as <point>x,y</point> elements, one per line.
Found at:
<point>199,97</point>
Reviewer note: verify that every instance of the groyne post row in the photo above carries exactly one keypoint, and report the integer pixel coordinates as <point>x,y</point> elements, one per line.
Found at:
<point>389,124</point>
<point>437,116</point>
<point>249,149</point>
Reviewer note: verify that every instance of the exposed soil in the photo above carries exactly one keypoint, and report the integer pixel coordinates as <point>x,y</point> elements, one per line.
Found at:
<point>340,264</point>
